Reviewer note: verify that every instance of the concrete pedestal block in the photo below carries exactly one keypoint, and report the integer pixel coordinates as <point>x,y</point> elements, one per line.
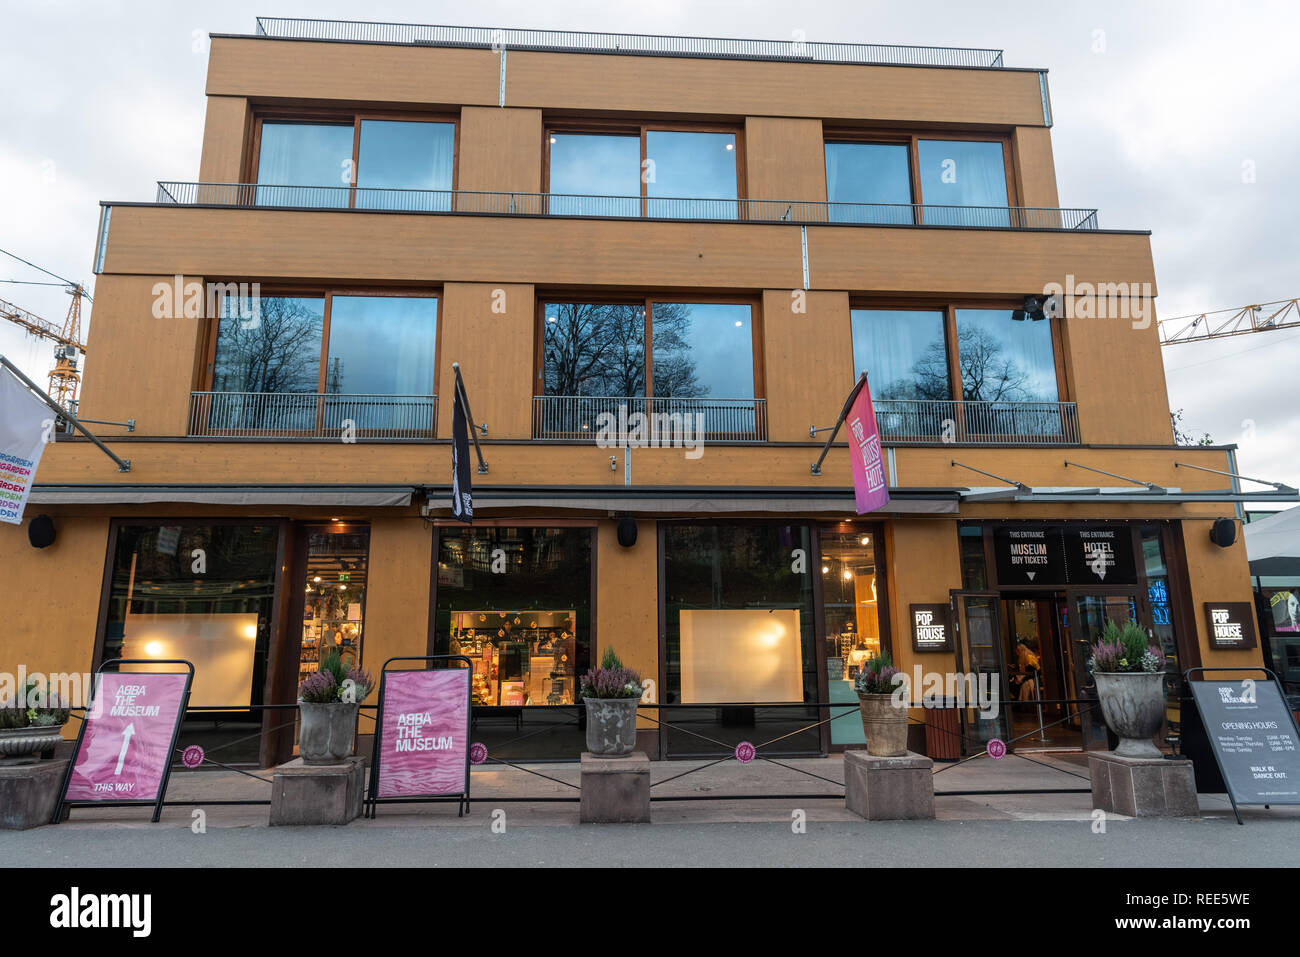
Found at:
<point>1142,787</point>
<point>28,793</point>
<point>615,790</point>
<point>325,794</point>
<point>889,789</point>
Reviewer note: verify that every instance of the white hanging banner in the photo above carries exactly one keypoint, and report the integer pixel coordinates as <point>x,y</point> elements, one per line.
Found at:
<point>25,424</point>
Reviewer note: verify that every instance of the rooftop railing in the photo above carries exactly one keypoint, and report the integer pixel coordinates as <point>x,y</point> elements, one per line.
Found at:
<point>636,44</point>
<point>472,202</point>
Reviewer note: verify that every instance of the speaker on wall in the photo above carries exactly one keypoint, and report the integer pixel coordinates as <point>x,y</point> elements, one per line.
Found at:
<point>1223,532</point>
<point>40,531</point>
<point>627,532</point>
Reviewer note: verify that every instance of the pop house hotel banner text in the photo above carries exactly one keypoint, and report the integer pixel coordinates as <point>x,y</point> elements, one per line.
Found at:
<point>423,746</point>
<point>126,745</point>
<point>869,486</point>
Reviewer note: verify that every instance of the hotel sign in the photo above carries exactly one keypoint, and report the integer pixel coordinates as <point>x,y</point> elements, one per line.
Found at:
<point>931,629</point>
<point>1230,624</point>
<point>1064,555</point>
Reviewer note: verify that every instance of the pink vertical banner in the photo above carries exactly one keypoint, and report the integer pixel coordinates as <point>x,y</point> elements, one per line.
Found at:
<point>126,744</point>
<point>869,485</point>
<point>424,744</point>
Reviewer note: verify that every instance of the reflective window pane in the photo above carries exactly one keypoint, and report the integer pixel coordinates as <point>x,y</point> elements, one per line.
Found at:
<point>305,164</point>
<point>1003,360</point>
<point>594,349</point>
<point>903,352</point>
<point>269,359</point>
<point>404,155</point>
<point>703,349</point>
<point>381,361</point>
<point>591,165</point>
<point>691,169</point>
<point>963,173</point>
<point>876,173</point>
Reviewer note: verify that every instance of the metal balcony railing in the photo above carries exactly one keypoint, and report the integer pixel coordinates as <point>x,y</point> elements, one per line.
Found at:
<point>635,44</point>
<point>474,202</point>
<point>308,415</point>
<point>938,421</point>
<point>653,421</point>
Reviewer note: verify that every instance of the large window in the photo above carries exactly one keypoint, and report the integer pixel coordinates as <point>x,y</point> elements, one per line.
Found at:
<point>1005,360</point>
<point>740,621</point>
<point>675,173</point>
<point>903,352</point>
<point>300,363</point>
<point>963,173</point>
<point>701,362</point>
<point>871,173</point>
<point>393,164</point>
<point>203,592</point>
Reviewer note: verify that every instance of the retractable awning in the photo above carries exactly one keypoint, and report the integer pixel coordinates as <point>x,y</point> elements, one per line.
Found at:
<point>1273,544</point>
<point>1117,495</point>
<point>701,501</point>
<point>367,496</point>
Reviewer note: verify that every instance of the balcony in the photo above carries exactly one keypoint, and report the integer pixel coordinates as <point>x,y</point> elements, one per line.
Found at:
<point>533,205</point>
<point>937,421</point>
<point>306,415</point>
<point>613,420</point>
<point>627,44</point>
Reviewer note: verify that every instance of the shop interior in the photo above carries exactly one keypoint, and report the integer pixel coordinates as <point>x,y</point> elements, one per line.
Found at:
<point>334,608</point>
<point>851,611</point>
<point>520,657</point>
<point>1040,666</point>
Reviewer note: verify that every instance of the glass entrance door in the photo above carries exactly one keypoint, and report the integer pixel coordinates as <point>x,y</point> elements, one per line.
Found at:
<point>1083,622</point>
<point>980,661</point>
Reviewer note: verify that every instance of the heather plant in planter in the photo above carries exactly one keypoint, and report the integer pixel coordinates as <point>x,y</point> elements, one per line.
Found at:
<point>1130,676</point>
<point>611,694</point>
<point>327,705</point>
<point>884,722</point>
<point>30,723</point>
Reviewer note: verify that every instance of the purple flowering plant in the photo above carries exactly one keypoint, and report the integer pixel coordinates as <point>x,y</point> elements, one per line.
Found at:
<point>334,681</point>
<point>611,679</point>
<point>1125,649</point>
<point>876,676</point>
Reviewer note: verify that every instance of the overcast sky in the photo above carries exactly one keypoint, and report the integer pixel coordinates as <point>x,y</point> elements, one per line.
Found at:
<point>1164,112</point>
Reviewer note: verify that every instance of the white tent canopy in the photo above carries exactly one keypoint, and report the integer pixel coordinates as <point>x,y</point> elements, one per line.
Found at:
<point>1273,544</point>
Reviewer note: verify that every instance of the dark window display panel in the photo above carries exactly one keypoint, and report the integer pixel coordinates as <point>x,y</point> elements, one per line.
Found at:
<point>738,606</point>
<point>517,602</point>
<point>202,593</point>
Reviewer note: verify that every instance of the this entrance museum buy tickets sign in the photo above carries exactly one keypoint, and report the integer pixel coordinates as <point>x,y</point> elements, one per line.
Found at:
<point>126,744</point>
<point>424,746</point>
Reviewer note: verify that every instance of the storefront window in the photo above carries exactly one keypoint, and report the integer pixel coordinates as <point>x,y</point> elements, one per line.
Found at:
<point>517,601</point>
<point>1279,615</point>
<point>974,567</point>
<point>738,607</point>
<point>203,593</point>
<point>335,606</point>
<point>852,590</point>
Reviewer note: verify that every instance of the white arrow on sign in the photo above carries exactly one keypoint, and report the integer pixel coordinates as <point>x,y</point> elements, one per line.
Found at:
<point>126,743</point>
<point>1031,575</point>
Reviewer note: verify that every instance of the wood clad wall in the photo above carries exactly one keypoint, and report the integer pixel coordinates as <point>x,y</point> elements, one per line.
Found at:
<point>808,360</point>
<point>500,150</point>
<point>226,138</point>
<point>490,330</point>
<point>141,367</point>
<point>1219,574</point>
<point>627,601</point>
<point>397,590</point>
<point>1031,150</point>
<point>784,159</point>
<point>923,562</point>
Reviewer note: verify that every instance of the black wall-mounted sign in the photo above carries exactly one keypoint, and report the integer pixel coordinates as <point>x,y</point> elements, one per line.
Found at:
<point>1230,624</point>
<point>931,629</point>
<point>1253,736</point>
<point>1064,555</point>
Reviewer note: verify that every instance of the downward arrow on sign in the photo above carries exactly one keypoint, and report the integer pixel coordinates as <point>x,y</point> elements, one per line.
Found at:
<point>126,743</point>
<point>1031,575</point>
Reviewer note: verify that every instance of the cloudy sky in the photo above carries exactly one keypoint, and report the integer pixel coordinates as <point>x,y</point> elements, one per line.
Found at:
<point>1179,117</point>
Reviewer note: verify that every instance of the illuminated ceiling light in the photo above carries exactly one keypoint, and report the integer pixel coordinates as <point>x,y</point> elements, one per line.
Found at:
<point>552,139</point>
<point>739,323</point>
<point>866,539</point>
<point>848,575</point>
<point>343,588</point>
<point>550,318</point>
<point>826,569</point>
<point>316,579</point>
<point>730,146</point>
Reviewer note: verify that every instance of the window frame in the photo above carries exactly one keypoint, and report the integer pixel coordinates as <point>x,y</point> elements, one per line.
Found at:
<point>949,306</point>
<point>614,127</point>
<point>911,139</point>
<point>207,367</point>
<point>647,303</point>
<point>335,117</point>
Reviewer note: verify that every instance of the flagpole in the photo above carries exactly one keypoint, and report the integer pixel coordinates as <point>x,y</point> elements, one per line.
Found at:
<point>123,465</point>
<point>473,429</point>
<point>848,404</point>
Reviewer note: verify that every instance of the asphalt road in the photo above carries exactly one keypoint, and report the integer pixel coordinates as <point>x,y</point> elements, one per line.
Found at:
<point>1149,843</point>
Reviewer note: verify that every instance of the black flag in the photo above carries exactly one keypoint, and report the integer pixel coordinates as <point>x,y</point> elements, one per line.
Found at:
<point>462,492</point>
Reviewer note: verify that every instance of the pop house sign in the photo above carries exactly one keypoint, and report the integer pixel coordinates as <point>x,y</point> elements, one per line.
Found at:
<point>1231,624</point>
<point>930,628</point>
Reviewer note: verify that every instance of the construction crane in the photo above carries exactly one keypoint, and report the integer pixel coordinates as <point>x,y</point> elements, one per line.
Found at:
<point>65,380</point>
<point>1262,317</point>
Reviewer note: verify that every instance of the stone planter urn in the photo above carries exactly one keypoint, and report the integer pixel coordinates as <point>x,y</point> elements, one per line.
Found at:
<point>24,745</point>
<point>327,732</point>
<point>1133,704</point>
<point>884,725</point>
<point>611,726</point>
